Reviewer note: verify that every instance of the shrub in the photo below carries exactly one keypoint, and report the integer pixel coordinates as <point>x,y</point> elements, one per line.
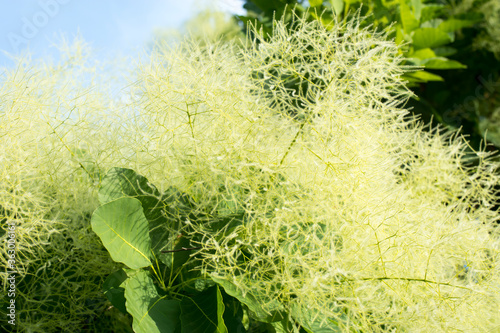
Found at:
<point>352,216</point>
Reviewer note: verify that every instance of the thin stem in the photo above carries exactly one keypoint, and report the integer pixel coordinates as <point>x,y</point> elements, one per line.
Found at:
<point>182,249</point>
<point>410,280</point>
<point>293,142</point>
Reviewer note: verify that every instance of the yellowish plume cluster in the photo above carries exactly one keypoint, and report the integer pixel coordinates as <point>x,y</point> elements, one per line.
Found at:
<point>355,215</point>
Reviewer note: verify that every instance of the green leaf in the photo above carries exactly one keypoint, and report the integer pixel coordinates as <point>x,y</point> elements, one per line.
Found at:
<point>114,289</point>
<point>315,3</point>
<point>121,182</point>
<point>429,38</point>
<point>233,313</point>
<point>283,326</point>
<point>221,327</point>
<point>445,51</point>
<point>201,284</point>
<point>203,313</point>
<point>253,303</point>
<point>423,54</point>
<point>181,266</point>
<point>338,6</point>
<point>399,36</point>
<point>150,312</point>
<point>442,63</point>
<point>124,231</point>
<point>452,25</point>
<point>163,211</point>
<point>422,76</point>
<point>434,23</point>
<point>417,8</point>
<point>408,19</point>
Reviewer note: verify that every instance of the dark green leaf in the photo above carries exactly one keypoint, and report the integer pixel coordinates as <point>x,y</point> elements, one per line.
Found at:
<point>452,25</point>
<point>151,313</point>
<point>121,182</point>
<point>114,290</point>
<point>203,313</point>
<point>233,313</point>
<point>445,51</point>
<point>181,257</point>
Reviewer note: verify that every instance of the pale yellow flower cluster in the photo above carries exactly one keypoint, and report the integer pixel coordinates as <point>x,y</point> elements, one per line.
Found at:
<point>352,210</point>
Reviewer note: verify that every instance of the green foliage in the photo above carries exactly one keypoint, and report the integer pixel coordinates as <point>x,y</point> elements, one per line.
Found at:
<point>151,312</point>
<point>488,37</point>
<point>202,312</point>
<point>124,231</point>
<point>122,225</point>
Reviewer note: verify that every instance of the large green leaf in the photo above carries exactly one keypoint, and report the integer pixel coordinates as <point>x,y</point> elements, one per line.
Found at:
<point>429,38</point>
<point>124,231</point>
<point>253,303</point>
<point>150,312</point>
<point>163,211</point>
<point>121,182</point>
<point>203,313</point>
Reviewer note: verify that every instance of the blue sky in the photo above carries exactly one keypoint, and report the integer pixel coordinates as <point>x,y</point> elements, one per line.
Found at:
<point>110,26</point>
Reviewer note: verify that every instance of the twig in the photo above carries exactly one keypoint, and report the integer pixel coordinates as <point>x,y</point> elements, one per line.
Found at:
<point>182,249</point>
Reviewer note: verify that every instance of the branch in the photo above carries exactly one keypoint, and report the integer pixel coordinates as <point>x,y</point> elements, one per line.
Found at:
<point>182,249</point>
